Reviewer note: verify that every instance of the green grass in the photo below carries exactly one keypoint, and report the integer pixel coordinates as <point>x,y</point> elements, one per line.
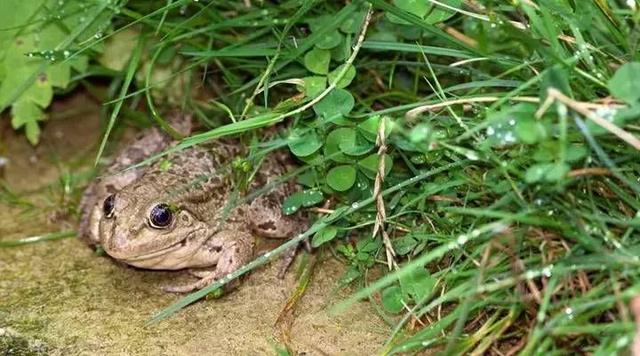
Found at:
<point>511,202</point>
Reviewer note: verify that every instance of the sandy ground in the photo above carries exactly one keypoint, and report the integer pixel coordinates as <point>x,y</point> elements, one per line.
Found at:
<point>60,297</point>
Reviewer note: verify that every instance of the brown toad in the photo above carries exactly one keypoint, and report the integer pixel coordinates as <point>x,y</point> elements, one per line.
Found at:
<point>184,211</point>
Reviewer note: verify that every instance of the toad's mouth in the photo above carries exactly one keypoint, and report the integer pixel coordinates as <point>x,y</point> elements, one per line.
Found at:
<point>178,245</point>
<point>157,253</point>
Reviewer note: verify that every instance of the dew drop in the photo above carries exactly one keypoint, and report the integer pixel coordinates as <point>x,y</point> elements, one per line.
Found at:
<point>472,156</point>
<point>462,239</point>
<point>569,312</point>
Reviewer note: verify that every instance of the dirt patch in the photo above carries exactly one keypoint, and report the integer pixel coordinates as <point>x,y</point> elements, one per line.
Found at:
<point>60,294</point>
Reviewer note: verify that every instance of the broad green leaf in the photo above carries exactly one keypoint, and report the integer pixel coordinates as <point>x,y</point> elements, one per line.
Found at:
<point>334,139</point>
<point>337,102</point>
<point>369,127</point>
<point>503,128</point>
<point>617,116</point>
<point>353,23</point>
<point>537,172</point>
<point>340,53</point>
<point>319,22</point>
<point>392,299</point>
<point>417,284</point>
<point>330,40</point>
<point>304,145</point>
<point>440,14</point>
<point>36,55</point>
<point>369,165</point>
<point>346,79</point>
<point>325,235</point>
<point>357,146</point>
<point>529,130</point>
<point>576,152</point>
<point>369,244</point>
<point>546,151</point>
<point>415,7</point>
<point>341,178</point>
<point>625,83</point>
<point>305,198</point>
<point>404,244</point>
<point>547,172</point>
<point>317,61</point>
<point>555,77</point>
<point>557,172</point>
<point>314,85</point>
<point>308,178</point>
<point>420,133</point>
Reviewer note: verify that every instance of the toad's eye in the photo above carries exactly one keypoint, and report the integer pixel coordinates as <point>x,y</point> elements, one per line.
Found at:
<point>107,206</point>
<point>160,216</point>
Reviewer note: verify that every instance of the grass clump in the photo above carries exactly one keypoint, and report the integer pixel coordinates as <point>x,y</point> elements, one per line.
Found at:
<point>485,151</point>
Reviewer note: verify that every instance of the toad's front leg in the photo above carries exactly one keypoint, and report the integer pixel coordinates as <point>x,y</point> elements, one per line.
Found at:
<point>266,219</point>
<point>229,250</point>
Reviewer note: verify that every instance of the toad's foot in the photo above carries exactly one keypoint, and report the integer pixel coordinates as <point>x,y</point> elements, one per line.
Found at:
<point>205,280</point>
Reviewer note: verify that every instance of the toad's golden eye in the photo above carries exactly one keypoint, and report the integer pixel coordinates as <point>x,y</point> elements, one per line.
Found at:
<point>108,205</point>
<point>160,216</point>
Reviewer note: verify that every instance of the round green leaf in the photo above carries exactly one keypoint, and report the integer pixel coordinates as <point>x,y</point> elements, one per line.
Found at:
<point>416,7</point>
<point>341,178</point>
<point>304,145</point>
<point>529,130</point>
<point>576,152</point>
<point>536,172</point>
<point>333,141</point>
<point>317,61</point>
<point>625,83</point>
<point>404,244</point>
<point>353,23</point>
<point>312,159</point>
<point>440,14</point>
<point>369,127</point>
<point>305,198</point>
<point>318,23</point>
<point>547,172</point>
<point>546,151</point>
<point>369,165</point>
<point>557,172</point>
<point>392,299</point>
<point>346,79</point>
<point>417,284</point>
<point>341,121</point>
<point>357,146</point>
<point>337,102</point>
<point>420,133</point>
<point>313,86</point>
<point>325,235</point>
<point>330,40</point>
<point>341,53</point>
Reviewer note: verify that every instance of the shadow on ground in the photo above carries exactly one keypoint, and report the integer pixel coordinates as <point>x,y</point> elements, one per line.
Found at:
<point>61,298</point>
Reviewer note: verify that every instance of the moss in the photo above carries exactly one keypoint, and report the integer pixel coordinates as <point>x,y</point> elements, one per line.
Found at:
<point>14,344</point>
